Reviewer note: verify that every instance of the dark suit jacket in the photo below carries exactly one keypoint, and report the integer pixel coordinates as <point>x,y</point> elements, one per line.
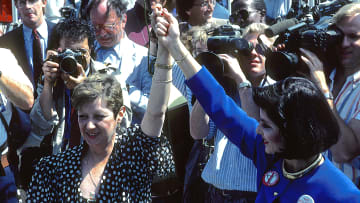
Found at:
<point>14,40</point>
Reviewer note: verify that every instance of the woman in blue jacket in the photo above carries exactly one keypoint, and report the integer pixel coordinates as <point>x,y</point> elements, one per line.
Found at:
<point>296,124</point>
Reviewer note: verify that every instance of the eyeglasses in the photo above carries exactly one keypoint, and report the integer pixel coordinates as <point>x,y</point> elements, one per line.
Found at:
<point>22,3</point>
<point>206,3</point>
<point>106,27</point>
<point>240,14</point>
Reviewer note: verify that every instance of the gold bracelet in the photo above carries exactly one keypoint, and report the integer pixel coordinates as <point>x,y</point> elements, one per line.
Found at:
<point>182,59</point>
<point>163,81</point>
<point>163,66</point>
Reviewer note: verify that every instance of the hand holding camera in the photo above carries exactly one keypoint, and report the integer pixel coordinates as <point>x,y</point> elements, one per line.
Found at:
<point>234,70</point>
<point>68,64</point>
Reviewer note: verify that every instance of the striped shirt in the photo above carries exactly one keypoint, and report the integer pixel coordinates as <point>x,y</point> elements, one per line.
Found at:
<point>227,167</point>
<point>347,104</point>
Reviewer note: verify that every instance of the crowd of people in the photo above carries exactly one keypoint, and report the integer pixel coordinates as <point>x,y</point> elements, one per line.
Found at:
<point>84,99</point>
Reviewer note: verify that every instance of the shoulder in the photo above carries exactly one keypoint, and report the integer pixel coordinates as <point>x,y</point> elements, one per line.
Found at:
<point>61,158</point>
<point>50,25</point>
<point>13,34</point>
<point>338,187</point>
<point>137,49</point>
<point>134,135</point>
<point>98,66</point>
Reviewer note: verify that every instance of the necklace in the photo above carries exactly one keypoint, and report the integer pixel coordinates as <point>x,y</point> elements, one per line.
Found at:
<point>92,194</point>
<point>301,173</point>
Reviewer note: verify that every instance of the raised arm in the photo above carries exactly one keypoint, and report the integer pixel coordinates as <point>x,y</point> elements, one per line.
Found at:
<point>227,116</point>
<point>13,82</point>
<point>154,116</point>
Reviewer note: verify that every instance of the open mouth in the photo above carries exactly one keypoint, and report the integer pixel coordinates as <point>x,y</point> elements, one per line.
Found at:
<point>92,135</point>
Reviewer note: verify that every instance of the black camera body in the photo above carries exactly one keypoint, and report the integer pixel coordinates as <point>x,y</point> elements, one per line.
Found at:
<point>317,38</point>
<point>225,40</point>
<point>67,12</point>
<point>68,60</point>
<point>234,46</point>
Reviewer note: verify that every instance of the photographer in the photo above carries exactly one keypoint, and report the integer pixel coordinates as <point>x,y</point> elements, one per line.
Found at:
<point>230,174</point>
<point>343,90</point>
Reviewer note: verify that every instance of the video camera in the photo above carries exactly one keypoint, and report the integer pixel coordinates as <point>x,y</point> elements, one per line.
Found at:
<point>68,60</point>
<point>225,40</point>
<point>313,30</point>
<point>286,62</point>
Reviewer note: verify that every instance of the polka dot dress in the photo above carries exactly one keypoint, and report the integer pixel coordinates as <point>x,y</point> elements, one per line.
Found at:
<point>127,176</point>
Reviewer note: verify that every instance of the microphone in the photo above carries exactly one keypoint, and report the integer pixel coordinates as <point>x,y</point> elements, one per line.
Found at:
<point>280,27</point>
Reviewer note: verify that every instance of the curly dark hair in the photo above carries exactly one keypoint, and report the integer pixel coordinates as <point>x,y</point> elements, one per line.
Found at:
<point>101,86</point>
<point>302,114</point>
<point>74,29</point>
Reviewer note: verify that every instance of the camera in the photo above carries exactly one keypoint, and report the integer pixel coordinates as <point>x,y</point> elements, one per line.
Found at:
<point>225,40</point>
<point>319,39</point>
<point>228,42</point>
<point>68,60</point>
<point>234,46</point>
<point>67,12</point>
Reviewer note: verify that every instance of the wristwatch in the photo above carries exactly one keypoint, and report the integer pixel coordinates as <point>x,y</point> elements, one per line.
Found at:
<point>246,84</point>
<point>329,96</point>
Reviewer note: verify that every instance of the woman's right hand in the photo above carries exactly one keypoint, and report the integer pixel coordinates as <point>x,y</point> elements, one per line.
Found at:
<point>166,26</point>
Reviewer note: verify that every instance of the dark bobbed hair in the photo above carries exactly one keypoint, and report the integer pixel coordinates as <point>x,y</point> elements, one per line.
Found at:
<point>120,6</point>
<point>97,86</point>
<point>75,30</point>
<point>302,114</point>
<point>182,6</point>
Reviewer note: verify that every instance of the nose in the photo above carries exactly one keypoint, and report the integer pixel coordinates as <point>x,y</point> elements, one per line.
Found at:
<point>101,33</point>
<point>346,42</point>
<point>90,125</point>
<point>253,52</point>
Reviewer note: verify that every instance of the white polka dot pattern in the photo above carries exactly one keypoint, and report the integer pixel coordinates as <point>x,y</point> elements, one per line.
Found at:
<point>127,176</point>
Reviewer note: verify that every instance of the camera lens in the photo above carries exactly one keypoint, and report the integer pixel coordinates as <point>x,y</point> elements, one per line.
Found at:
<point>68,65</point>
<point>280,65</point>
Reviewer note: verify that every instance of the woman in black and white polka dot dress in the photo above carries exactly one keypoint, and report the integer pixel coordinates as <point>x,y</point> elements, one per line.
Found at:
<point>108,166</point>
